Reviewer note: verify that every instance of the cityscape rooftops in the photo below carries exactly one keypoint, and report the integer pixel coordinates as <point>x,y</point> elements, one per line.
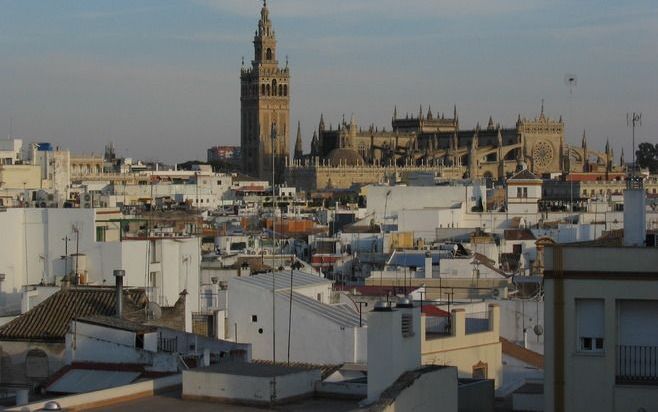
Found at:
<point>282,280</point>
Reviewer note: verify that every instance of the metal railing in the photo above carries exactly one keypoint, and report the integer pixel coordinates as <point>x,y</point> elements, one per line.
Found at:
<point>637,364</point>
<point>168,345</point>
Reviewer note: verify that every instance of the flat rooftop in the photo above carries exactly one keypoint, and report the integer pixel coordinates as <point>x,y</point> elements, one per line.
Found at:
<point>250,369</point>
<point>172,402</point>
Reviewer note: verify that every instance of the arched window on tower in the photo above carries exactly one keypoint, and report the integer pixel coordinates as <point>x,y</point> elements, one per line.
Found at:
<point>268,54</point>
<point>285,90</point>
<point>262,89</point>
<point>274,87</point>
<point>280,90</point>
<point>268,90</point>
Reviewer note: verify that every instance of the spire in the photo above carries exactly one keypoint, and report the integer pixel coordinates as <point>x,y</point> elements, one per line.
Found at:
<point>500,138</point>
<point>490,125</point>
<point>314,145</point>
<point>621,158</point>
<point>420,112</point>
<point>429,113</point>
<point>584,140</point>
<point>541,114</point>
<point>395,112</point>
<point>454,113</point>
<point>476,138</point>
<point>607,145</point>
<point>299,152</point>
<point>264,24</point>
<point>321,125</point>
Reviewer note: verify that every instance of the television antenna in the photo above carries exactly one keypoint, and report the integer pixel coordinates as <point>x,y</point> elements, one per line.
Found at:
<point>633,120</point>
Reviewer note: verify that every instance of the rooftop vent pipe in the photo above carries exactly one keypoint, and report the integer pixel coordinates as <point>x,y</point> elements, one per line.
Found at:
<point>118,275</point>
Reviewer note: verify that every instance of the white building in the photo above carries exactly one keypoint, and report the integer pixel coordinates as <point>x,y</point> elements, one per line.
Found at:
<point>321,333</point>
<point>388,203</point>
<point>523,193</point>
<point>11,151</point>
<point>32,253</point>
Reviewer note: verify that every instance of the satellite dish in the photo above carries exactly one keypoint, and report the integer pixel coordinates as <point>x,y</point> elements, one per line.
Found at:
<point>538,329</point>
<point>154,311</point>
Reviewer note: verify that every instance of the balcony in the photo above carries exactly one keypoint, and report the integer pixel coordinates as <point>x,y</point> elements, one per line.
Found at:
<point>637,365</point>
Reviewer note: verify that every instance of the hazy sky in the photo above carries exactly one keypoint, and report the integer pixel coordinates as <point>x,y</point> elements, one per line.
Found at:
<point>160,78</point>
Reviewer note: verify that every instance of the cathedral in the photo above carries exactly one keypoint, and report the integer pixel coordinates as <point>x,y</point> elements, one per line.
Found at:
<point>426,142</point>
<point>435,143</point>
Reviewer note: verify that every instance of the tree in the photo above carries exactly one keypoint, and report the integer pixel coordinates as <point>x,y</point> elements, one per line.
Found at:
<point>647,156</point>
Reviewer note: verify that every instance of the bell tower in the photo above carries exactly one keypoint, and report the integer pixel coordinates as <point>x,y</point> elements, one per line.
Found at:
<point>265,106</point>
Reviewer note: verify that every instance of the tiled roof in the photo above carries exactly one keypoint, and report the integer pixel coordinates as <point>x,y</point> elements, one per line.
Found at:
<point>337,315</point>
<point>433,311</point>
<point>282,280</point>
<point>49,321</point>
<point>524,174</point>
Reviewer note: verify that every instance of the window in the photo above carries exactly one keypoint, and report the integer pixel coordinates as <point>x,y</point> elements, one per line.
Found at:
<point>36,364</point>
<point>519,192</point>
<point>100,233</point>
<point>525,192</point>
<point>407,325</point>
<point>139,341</point>
<point>268,54</point>
<point>590,319</point>
<point>254,318</point>
<point>319,297</point>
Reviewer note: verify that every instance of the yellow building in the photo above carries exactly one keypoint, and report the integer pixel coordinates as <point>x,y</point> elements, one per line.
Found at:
<point>471,344</point>
<point>20,177</point>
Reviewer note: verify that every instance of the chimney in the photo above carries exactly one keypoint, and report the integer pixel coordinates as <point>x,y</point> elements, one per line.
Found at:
<point>394,344</point>
<point>118,275</point>
<point>635,217</point>
<point>428,265</point>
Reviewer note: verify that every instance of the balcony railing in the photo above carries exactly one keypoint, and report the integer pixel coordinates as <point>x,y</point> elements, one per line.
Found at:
<point>637,364</point>
<point>169,345</point>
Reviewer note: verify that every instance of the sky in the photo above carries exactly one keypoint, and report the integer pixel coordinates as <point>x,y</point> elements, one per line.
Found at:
<point>160,78</point>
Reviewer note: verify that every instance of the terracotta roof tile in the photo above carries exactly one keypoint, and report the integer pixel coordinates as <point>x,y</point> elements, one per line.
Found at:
<point>49,321</point>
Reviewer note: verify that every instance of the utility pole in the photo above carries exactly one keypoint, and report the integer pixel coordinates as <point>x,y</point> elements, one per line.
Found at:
<point>361,303</point>
<point>66,254</point>
<point>273,138</point>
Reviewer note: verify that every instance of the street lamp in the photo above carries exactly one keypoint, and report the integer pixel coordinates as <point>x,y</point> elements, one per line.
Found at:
<point>361,303</point>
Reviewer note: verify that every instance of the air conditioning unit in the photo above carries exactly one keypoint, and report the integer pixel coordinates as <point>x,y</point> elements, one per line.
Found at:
<point>500,293</point>
<point>87,197</point>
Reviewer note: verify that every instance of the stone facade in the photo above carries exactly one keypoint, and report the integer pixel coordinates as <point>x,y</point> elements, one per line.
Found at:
<point>265,106</point>
<point>351,155</point>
